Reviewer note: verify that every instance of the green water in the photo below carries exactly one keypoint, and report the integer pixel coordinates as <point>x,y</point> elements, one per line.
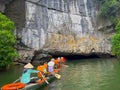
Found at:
<point>86,74</point>
<point>10,75</point>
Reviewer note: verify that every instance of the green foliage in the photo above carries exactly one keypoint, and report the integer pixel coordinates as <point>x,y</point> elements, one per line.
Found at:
<point>6,24</point>
<point>110,9</point>
<point>7,41</point>
<point>116,45</point>
<point>117,27</point>
<point>116,41</point>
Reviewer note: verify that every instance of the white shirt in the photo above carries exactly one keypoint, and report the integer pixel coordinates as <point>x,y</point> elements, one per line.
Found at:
<point>51,63</point>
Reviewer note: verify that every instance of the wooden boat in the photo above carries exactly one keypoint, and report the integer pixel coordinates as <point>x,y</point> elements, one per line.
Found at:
<point>34,86</point>
<point>31,86</point>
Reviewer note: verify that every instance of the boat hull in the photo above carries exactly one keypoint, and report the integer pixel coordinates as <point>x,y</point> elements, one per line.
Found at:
<point>34,86</point>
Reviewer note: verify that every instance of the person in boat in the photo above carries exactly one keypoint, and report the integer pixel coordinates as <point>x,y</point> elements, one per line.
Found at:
<point>28,70</point>
<point>46,66</point>
<point>57,63</point>
<point>54,69</point>
<point>51,66</point>
<point>62,61</point>
<point>42,70</point>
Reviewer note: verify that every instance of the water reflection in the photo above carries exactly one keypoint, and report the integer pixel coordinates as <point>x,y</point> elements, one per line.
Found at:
<point>94,74</point>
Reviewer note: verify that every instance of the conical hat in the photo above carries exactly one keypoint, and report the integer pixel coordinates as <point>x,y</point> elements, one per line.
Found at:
<point>29,65</point>
<point>52,59</point>
<point>58,58</point>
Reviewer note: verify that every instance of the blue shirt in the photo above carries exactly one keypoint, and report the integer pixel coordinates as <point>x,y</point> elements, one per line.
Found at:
<point>26,76</point>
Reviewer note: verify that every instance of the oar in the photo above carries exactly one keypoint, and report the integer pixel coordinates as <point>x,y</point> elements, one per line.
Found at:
<point>17,80</point>
<point>44,78</point>
<point>58,76</point>
<point>65,65</point>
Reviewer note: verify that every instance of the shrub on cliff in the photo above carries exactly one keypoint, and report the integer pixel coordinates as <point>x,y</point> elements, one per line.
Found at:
<point>117,27</point>
<point>7,41</point>
<point>110,9</point>
<point>116,45</point>
<point>116,41</point>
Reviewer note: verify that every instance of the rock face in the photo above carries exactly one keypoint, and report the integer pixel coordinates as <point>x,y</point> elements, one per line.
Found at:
<point>69,26</point>
<point>2,6</point>
<point>16,12</point>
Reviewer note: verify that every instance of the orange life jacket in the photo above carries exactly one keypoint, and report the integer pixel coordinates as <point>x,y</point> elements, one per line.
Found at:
<point>42,69</point>
<point>57,63</point>
<point>46,66</point>
<point>63,60</point>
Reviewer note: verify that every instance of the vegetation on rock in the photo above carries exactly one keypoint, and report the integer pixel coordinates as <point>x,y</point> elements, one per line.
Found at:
<point>7,41</point>
<point>116,41</point>
<point>110,9</point>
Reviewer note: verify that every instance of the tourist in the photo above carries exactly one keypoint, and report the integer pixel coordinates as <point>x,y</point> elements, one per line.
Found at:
<point>42,70</point>
<point>62,61</point>
<point>57,63</point>
<point>51,66</point>
<point>28,70</point>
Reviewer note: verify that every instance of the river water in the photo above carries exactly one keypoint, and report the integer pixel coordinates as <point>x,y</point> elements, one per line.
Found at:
<point>85,74</point>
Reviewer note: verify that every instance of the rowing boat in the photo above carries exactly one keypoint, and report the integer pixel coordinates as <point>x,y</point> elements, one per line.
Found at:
<point>30,86</point>
<point>34,86</point>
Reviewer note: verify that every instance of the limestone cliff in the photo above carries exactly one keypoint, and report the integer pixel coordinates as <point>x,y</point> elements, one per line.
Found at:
<point>3,3</point>
<point>69,26</point>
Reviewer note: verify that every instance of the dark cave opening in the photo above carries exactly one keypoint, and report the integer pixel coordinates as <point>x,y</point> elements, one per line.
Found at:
<point>83,56</point>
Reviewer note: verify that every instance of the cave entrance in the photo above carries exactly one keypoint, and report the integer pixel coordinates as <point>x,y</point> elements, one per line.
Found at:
<point>83,56</point>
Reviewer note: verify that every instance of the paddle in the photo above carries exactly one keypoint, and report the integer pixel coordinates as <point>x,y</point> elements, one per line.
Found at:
<point>58,76</point>
<point>44,78</point>
<point>65,65</point>
<point>17,80</point>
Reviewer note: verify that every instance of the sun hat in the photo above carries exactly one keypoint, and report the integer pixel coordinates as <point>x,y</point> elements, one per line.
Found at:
<point>52,59</point>
<point>29,65</point>
<point>58,58</point>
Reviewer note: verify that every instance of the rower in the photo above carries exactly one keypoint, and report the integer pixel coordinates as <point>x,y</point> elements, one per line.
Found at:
<point>28,70</point>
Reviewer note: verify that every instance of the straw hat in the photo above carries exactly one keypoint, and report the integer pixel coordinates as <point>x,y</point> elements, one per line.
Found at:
<point>52,59</point>
<point>29,65</point>
<point>58,58</point>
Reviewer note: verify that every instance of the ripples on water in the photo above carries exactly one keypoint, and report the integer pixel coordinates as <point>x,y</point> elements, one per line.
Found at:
<point>92,74</point>
<point>86,74</point>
